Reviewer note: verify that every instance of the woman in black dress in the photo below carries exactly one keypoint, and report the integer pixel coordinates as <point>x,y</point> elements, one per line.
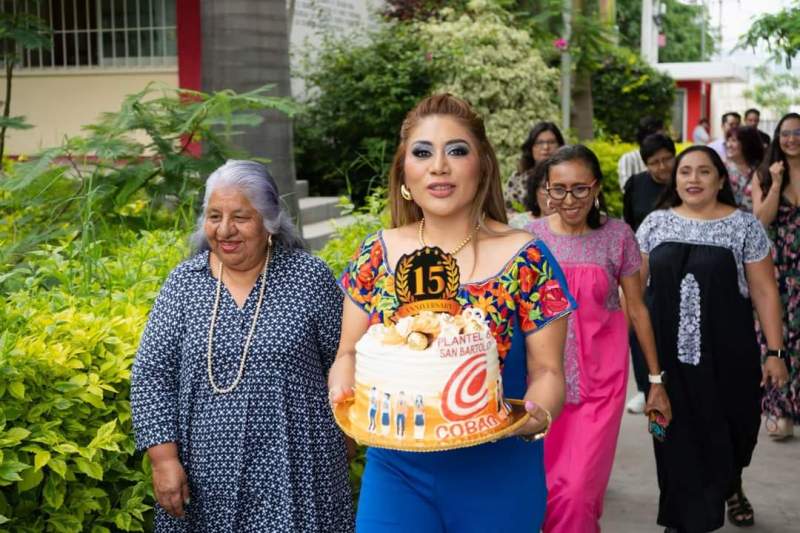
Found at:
<point>707,260</point>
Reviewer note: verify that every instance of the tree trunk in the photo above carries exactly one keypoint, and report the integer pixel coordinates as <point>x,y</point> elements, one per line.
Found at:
<point>246,45</point>
<point>6,108</point>
<point>583,105</point>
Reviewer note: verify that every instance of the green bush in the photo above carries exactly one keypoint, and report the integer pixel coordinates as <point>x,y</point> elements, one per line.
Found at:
<point>66,442</point>
<point>625,89</point>
<point>609,152</point>
<point>359,93</point>
<point>484,59</point>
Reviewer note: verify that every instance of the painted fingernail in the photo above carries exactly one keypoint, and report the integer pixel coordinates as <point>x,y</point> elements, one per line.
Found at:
<point>529,405</point>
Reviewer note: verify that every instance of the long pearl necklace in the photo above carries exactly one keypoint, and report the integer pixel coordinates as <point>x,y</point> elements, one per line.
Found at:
<point>458,248</point>
<point>248,340</point>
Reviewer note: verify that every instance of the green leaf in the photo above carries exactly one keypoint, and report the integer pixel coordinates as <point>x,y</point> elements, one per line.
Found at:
<point>9,470</point>
<point>17,390</point>
<point>100,529</point>
<point>93,470</point>
<point>53,492</point>
<point>30,479</point>
<point>58,465</point>
<point>123,521</point>
<point>13,436</point>
<point>41,459</point>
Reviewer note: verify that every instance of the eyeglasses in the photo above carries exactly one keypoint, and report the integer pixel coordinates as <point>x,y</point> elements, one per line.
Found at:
<point>579,192</point>
<point>785,134</point>
<point>546,143</point>
<point>663,162</point>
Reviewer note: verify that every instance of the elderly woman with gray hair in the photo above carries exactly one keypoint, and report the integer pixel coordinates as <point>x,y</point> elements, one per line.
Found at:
<point>228,391</point>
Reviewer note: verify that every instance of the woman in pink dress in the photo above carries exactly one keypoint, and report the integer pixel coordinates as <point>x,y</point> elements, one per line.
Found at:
<point>598,255</point>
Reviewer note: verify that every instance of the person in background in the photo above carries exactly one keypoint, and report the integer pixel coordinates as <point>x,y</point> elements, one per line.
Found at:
<point>751,118</point>
<point>631,162</point>
<point>744,154</point>
<point>640,197</point>
<point>708,267</point>
<point>535,201</point>
<point>730,120</point>
<point>543,140</point>
<point>776,203</point>
<point>599,256</point>
<point>700,134</point>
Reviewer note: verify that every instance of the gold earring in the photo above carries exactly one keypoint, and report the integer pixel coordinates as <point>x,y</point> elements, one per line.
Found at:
<point>597,202</point>
<point>549,204</point>
<point>404,192</point>
<point>269,240</point>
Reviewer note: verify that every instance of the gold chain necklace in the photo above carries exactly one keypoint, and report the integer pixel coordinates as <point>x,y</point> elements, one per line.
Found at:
<point>458,248</point>
<point>240,373</point>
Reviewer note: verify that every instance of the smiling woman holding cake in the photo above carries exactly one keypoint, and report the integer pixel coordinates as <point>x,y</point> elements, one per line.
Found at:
<point>446,198</point>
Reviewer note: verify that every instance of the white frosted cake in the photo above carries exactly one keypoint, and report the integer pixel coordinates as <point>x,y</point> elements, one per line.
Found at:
<point>430,381</point>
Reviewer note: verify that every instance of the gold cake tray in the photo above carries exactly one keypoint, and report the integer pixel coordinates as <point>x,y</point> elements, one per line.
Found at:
<point>341,413</point>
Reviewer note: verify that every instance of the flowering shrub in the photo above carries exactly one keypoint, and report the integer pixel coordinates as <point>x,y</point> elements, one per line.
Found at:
<point>486,60</point>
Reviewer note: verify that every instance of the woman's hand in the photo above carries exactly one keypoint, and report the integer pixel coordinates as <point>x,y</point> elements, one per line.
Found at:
<point>776,172</point>
<point>341,379</point>
<point>774,371</point>
<point>171,486</point>
<point>657,400</point>
<point>537,423</point>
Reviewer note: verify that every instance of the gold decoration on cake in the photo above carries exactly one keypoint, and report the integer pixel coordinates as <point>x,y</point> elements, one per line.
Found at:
<point>417,340</point>
<point>401,279</point>
<point>427,280</point>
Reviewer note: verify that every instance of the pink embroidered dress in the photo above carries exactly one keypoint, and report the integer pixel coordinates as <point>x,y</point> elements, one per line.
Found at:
<point>579,450</point>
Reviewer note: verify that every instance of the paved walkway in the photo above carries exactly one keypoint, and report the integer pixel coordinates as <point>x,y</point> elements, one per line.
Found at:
<point>771,483</point>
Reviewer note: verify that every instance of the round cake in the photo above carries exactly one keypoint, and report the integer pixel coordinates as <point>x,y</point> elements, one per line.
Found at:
<point>430,382</point>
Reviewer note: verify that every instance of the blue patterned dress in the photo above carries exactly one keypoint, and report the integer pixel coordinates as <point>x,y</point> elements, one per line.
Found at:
<point>267,456</point>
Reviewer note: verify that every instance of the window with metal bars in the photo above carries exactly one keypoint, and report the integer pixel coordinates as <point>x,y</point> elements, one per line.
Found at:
<point>101,33</point>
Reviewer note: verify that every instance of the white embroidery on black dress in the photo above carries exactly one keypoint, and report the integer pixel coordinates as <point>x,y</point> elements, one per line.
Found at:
<point>689,324</point>
<point>739,232</point>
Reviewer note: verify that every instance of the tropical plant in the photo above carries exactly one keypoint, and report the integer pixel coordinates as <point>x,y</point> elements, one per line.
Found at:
<point>780,32</point>
<point>776,91</point>
<point>19,31</point>
<point>627,89</point>
<point>110,177</point>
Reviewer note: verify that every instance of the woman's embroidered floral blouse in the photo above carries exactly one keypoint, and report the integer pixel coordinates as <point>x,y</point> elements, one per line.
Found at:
<point>530,286</point>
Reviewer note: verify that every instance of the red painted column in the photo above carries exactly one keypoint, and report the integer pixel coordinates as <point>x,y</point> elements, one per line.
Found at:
<point>190,44</point>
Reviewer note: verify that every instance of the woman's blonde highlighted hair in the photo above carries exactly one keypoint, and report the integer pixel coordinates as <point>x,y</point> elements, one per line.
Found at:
<point>489,198</point>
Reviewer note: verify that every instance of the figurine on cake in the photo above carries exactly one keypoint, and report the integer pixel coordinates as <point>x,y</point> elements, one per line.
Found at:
<point>466,316</point>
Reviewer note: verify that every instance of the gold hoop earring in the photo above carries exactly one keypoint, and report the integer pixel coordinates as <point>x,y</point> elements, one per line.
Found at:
<point>269,240</point>
<point>597,203</point>
<point>404,192</point>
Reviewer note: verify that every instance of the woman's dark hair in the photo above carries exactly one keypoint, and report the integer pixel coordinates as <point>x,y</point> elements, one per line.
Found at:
<point>526,161</point>
<point>653,143</point>
<point>579,152</point>
<point>775,153</point>
<point>750,141</point>
<point>648,126</point>
<point>670,198</point>
<point>534,180</point>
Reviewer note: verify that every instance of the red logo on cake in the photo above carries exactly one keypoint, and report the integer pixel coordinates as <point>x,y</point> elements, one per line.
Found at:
<point>466,394</point>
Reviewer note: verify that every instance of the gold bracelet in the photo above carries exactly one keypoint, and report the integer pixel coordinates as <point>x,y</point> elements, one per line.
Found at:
<point>542,434</point>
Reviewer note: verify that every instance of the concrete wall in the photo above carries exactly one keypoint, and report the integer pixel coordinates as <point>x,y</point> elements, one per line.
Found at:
<point>60,103</point>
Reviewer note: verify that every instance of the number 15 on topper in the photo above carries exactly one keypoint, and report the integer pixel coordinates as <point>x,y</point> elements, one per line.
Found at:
<point>427,280</point>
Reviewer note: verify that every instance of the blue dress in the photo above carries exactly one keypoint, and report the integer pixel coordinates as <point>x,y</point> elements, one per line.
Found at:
<point>492,488</point>
<point>267,456</point>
